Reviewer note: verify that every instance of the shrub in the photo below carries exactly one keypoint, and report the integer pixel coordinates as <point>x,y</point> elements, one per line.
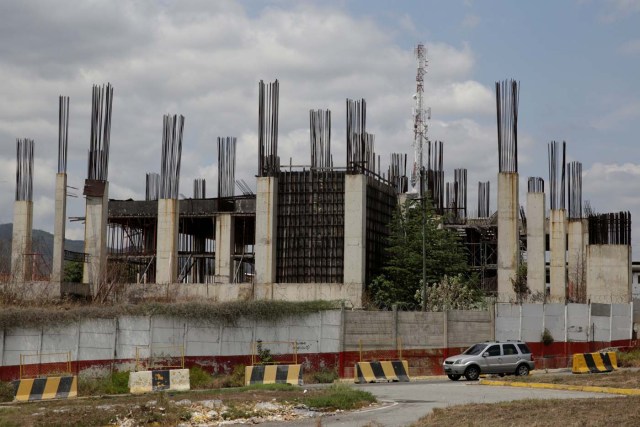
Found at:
<point>200,379</point>
<point>340,396</point>
<point>114,383</point>
<point>325,376</point>
<point>546,337</point>
<point>629,359</point>
<point>236,379</point>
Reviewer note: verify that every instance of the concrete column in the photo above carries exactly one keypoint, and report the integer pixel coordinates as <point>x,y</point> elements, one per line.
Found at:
<point>266,229</point>
<point>577,235</point>
<point>57,268</point>
<point>558,255</point>
<point>225,227</point>
<point>21,242</point>
<point>355,233</point>
<point>167,241</point>
<point>536,243</point>
<point>508,234</point>
<point>95,239</point>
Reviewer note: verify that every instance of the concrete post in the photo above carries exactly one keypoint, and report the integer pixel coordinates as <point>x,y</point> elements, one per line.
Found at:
<point>536,275</point>
<point>57,267</point>
<point>266,229</point>
<point>508,234</point>
<point>225,225</point>
<point>95,239</point>
<point>557,246</point>
<point>576,257</point>
<point>21,241</point>
<point>608,273</point>
<point>355,233</point>
<point>167,241</point>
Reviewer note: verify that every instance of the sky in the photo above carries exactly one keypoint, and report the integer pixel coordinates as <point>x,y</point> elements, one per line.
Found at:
<point>577,62</point>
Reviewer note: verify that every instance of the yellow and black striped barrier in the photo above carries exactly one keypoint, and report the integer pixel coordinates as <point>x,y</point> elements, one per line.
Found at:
<point>46,388</point>
<point>273,374</point>
<point>584,363</point>
<point>370,372</point>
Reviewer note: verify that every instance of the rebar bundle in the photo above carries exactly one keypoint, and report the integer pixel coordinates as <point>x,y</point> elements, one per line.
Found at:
<point>320,138</point>
<point>507,98</point>
<point>226,166</point>
<point>610,229</point>
<point>535,185</point>
<point>199,188</point>
<point>556,184</point>
<point>484,196</point>
<point>173,127</point>
<point>360,155</point>
<point>460,192</point>
<point>268,105</point>
<point>102,102</point>
<point>24,169</point>
<point>152,186</point>
<point>244,187</point>
<point>435,174</point>
<point>574,190</point>
<point>63,132</point>
<point>398,172</point>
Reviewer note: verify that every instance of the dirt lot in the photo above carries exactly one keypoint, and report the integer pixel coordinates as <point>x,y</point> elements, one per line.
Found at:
<point>617,410</point>
<point>251,404</point>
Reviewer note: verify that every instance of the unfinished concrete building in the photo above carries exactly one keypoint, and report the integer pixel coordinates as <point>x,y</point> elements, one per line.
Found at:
<point>21,254</point>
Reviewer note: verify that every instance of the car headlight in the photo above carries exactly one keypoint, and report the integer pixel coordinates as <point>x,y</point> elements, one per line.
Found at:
<point>457,362</point>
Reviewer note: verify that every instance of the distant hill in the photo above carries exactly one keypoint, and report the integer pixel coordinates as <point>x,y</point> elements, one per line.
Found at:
<point>42,244</point>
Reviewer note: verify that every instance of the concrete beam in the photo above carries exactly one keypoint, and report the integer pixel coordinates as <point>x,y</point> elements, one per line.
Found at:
<point>167,241</point>
<point>21,259</point>
<point>508,234</point>
<point>57,267</point>
<point>609,273</point>
<point>266,229</point>
<point>536,274</point>
<point>558,255</point>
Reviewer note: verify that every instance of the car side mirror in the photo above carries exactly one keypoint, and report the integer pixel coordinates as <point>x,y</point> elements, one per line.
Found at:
<point>485,354</point>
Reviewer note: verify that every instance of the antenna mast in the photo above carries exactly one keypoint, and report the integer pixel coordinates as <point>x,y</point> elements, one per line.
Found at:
<point>420,117</point>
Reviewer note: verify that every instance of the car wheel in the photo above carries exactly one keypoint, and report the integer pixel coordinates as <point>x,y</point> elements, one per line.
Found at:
<point>522,370</point>
<point>454,377</point>
<point>472,373</point>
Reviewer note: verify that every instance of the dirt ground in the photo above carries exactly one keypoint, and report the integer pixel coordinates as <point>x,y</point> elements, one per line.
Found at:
<point>166,409</point>
<point>626,378</point>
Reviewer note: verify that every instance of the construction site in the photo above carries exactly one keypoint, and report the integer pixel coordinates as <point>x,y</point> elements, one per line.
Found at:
<point>318,230</point>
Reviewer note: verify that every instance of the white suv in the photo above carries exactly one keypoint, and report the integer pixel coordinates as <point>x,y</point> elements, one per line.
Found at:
<point>505,358</point>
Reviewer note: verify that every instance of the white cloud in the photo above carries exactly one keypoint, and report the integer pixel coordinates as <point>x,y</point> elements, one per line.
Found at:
<point>630,47</point>
<point>619,9</point>
<point>470,21</point>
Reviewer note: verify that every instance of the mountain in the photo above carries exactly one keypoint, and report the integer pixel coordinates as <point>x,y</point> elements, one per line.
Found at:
<point>42,244</point>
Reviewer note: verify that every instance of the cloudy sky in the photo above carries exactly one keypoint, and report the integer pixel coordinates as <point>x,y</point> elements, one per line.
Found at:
<point>578,62</point>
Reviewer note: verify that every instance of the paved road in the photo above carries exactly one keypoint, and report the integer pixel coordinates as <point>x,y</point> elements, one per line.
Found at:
<point>407,402</point>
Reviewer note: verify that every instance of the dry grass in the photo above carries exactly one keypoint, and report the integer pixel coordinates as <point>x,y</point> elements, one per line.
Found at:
<point>619,379</point>
<point>618,411</point>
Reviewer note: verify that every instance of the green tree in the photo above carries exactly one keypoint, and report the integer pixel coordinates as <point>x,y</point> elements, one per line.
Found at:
<point>402,273</point>
<point>73,272</point>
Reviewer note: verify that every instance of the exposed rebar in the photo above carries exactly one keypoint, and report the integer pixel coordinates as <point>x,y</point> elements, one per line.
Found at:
<point>152,186</point>
<point>24,169</point>
<point>535,185</point>
<point>507,98</point>
<point>226,166</point>
<point>199,188</point>
<point>268,107</point>
<point>101,107</point>
<point>173,127</point>
<point>63,132</point>
<point>320,138</point>
<point>574,190</point>
<point>556,183</point>
<point>484,197</point>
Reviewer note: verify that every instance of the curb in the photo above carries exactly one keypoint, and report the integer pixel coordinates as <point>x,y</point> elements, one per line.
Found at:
<point>592,389</point>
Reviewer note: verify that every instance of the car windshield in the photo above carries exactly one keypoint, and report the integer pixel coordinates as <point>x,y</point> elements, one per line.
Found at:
<point>475,349</point>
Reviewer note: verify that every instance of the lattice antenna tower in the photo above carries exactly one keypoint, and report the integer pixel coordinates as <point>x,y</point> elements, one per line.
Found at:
<point>421,115</point>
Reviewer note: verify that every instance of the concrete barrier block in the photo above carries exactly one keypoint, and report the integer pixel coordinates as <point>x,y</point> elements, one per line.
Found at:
<point>585,363</point>
<point>46,388</point>
<point>157,380</point>
<point>140,382</point>
<point>179,379</point>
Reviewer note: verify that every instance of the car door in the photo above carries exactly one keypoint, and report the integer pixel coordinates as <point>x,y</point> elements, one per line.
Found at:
<point>492,357</point>
<point>510,358</point>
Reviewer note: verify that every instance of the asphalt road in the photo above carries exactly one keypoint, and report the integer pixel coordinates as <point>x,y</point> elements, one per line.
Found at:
<point>405,403</point>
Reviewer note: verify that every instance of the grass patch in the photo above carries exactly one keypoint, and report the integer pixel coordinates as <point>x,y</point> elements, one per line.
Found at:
<point>339,396</point>
<point>206,312</point>
<point>115,383</point>
<point>323,376</point>
<point>617,379</point>
<point>539,413</point>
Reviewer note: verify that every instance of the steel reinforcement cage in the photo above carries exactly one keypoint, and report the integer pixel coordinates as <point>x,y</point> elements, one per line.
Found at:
<point>381,201</point>
<point>310,231</point>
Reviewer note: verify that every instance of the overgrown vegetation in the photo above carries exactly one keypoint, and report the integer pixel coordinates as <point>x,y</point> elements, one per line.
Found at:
<point>6,391</point>
<point>546,337</point>
<point>519,283</point>
<point>453,293</point>
<point>445,255</point>
<point>629,359</point>
<point>115,383</point>
<point>73,272</point>
<point>340,396</point>
<point>264,354</point>
<point>205,312</point>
